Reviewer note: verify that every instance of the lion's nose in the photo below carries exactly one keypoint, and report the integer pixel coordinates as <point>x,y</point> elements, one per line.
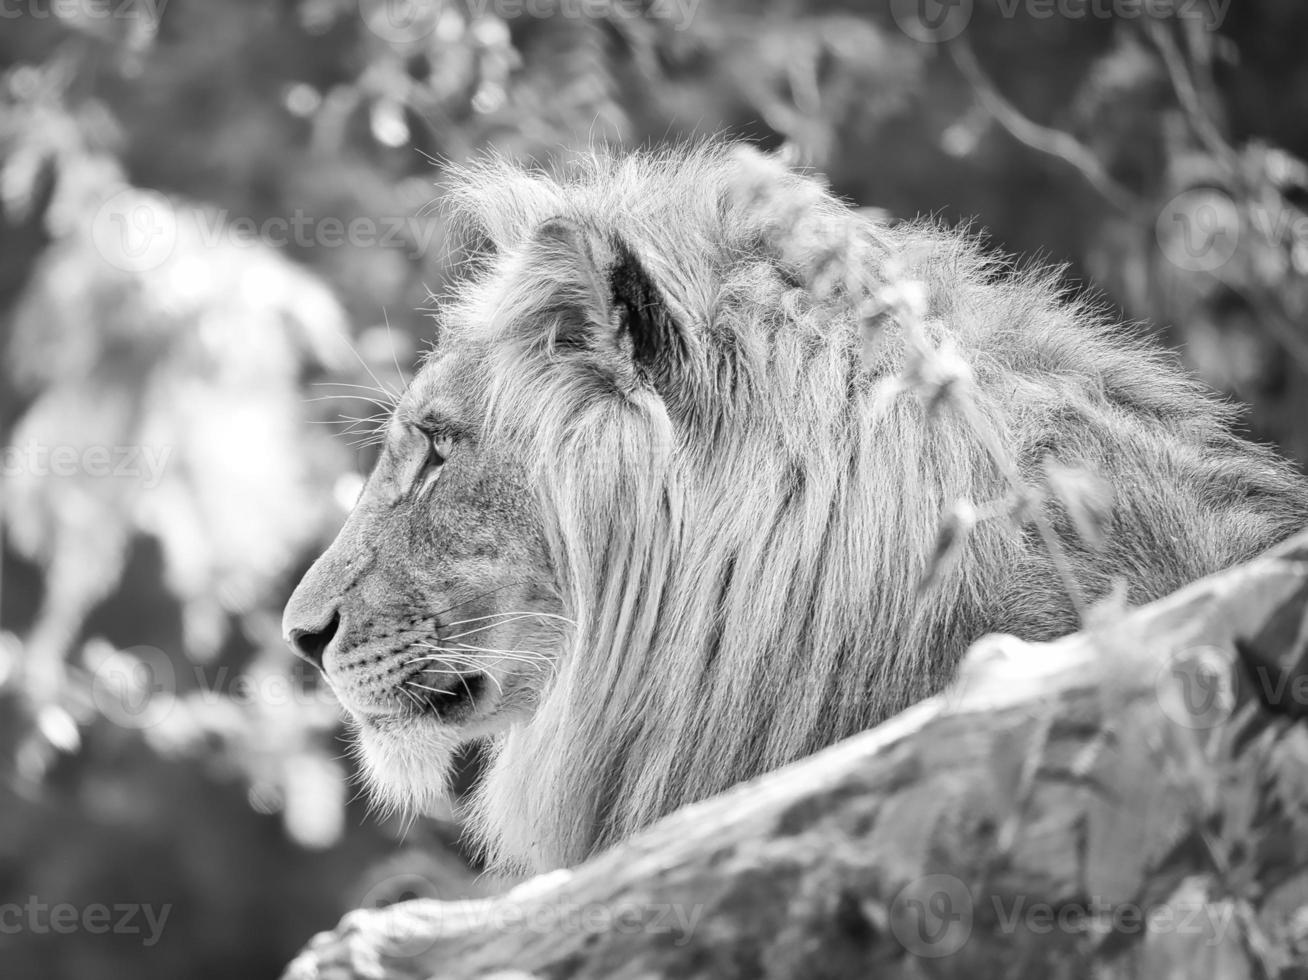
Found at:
<point>310,642</point>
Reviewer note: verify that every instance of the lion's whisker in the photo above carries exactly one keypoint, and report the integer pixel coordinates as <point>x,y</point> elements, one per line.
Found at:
<point>484,673</point>
<point>404,382</point>
<point>505,651</point>
<point>376,387</point>
<point>383,405</point>
<point>463,679</point>
<point>519,656</point>
<point>475,596</point>
<point>450,662</point>
<point>434,690</point>
<point>502,619</point>
<point>344,384</point>
<point>515,613</point>
<point>450,658</point>
<point>352,419</point>
<point>474,668</point>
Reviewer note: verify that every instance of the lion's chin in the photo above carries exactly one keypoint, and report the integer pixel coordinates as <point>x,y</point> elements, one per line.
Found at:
<point>407,762</point>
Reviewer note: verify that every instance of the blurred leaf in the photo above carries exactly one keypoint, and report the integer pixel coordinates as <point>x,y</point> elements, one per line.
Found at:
<point>1087,497</point>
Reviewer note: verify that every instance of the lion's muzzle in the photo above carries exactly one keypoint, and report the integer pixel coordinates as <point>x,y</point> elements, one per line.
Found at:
<point>310,642</point>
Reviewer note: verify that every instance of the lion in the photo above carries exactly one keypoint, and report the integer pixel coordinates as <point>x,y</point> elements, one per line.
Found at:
<point>654,516</point>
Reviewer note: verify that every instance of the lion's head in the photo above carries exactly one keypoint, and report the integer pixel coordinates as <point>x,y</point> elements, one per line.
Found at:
<point>435,614</point>
<point>652,521</point>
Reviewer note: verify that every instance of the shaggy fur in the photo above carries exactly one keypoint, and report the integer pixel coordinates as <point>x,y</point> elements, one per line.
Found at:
<point>739,507</point>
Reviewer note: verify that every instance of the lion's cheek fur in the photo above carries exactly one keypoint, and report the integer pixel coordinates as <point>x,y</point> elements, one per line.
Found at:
<point>407,764</point>
<point>512,815</point>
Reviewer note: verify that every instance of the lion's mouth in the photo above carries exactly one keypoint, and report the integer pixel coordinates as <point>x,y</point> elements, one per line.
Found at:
<point>419,689</point>
<point>445,697</point>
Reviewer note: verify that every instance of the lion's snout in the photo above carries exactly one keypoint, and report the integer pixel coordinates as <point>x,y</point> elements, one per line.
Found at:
<point>311,642</point>
<point>313,617</point>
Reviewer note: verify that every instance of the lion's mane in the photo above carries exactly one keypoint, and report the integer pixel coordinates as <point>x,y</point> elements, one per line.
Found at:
<point>740,534</point>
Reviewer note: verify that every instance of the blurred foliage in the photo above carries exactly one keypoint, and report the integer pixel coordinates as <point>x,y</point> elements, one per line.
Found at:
<point>158,744</point>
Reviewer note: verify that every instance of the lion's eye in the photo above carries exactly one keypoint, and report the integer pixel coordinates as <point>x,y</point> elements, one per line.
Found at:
<point>440,447</point>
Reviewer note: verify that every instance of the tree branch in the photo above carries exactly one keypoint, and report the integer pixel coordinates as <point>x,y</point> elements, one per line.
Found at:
<point>1053,142</point>
<point>1124,802</point>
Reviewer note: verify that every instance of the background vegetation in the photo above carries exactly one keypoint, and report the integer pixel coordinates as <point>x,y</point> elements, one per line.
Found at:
<point>215,218</point>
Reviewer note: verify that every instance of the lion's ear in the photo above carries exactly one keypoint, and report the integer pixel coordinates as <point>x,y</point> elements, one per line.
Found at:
<point>616,308</point>
<point>641,312</point>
